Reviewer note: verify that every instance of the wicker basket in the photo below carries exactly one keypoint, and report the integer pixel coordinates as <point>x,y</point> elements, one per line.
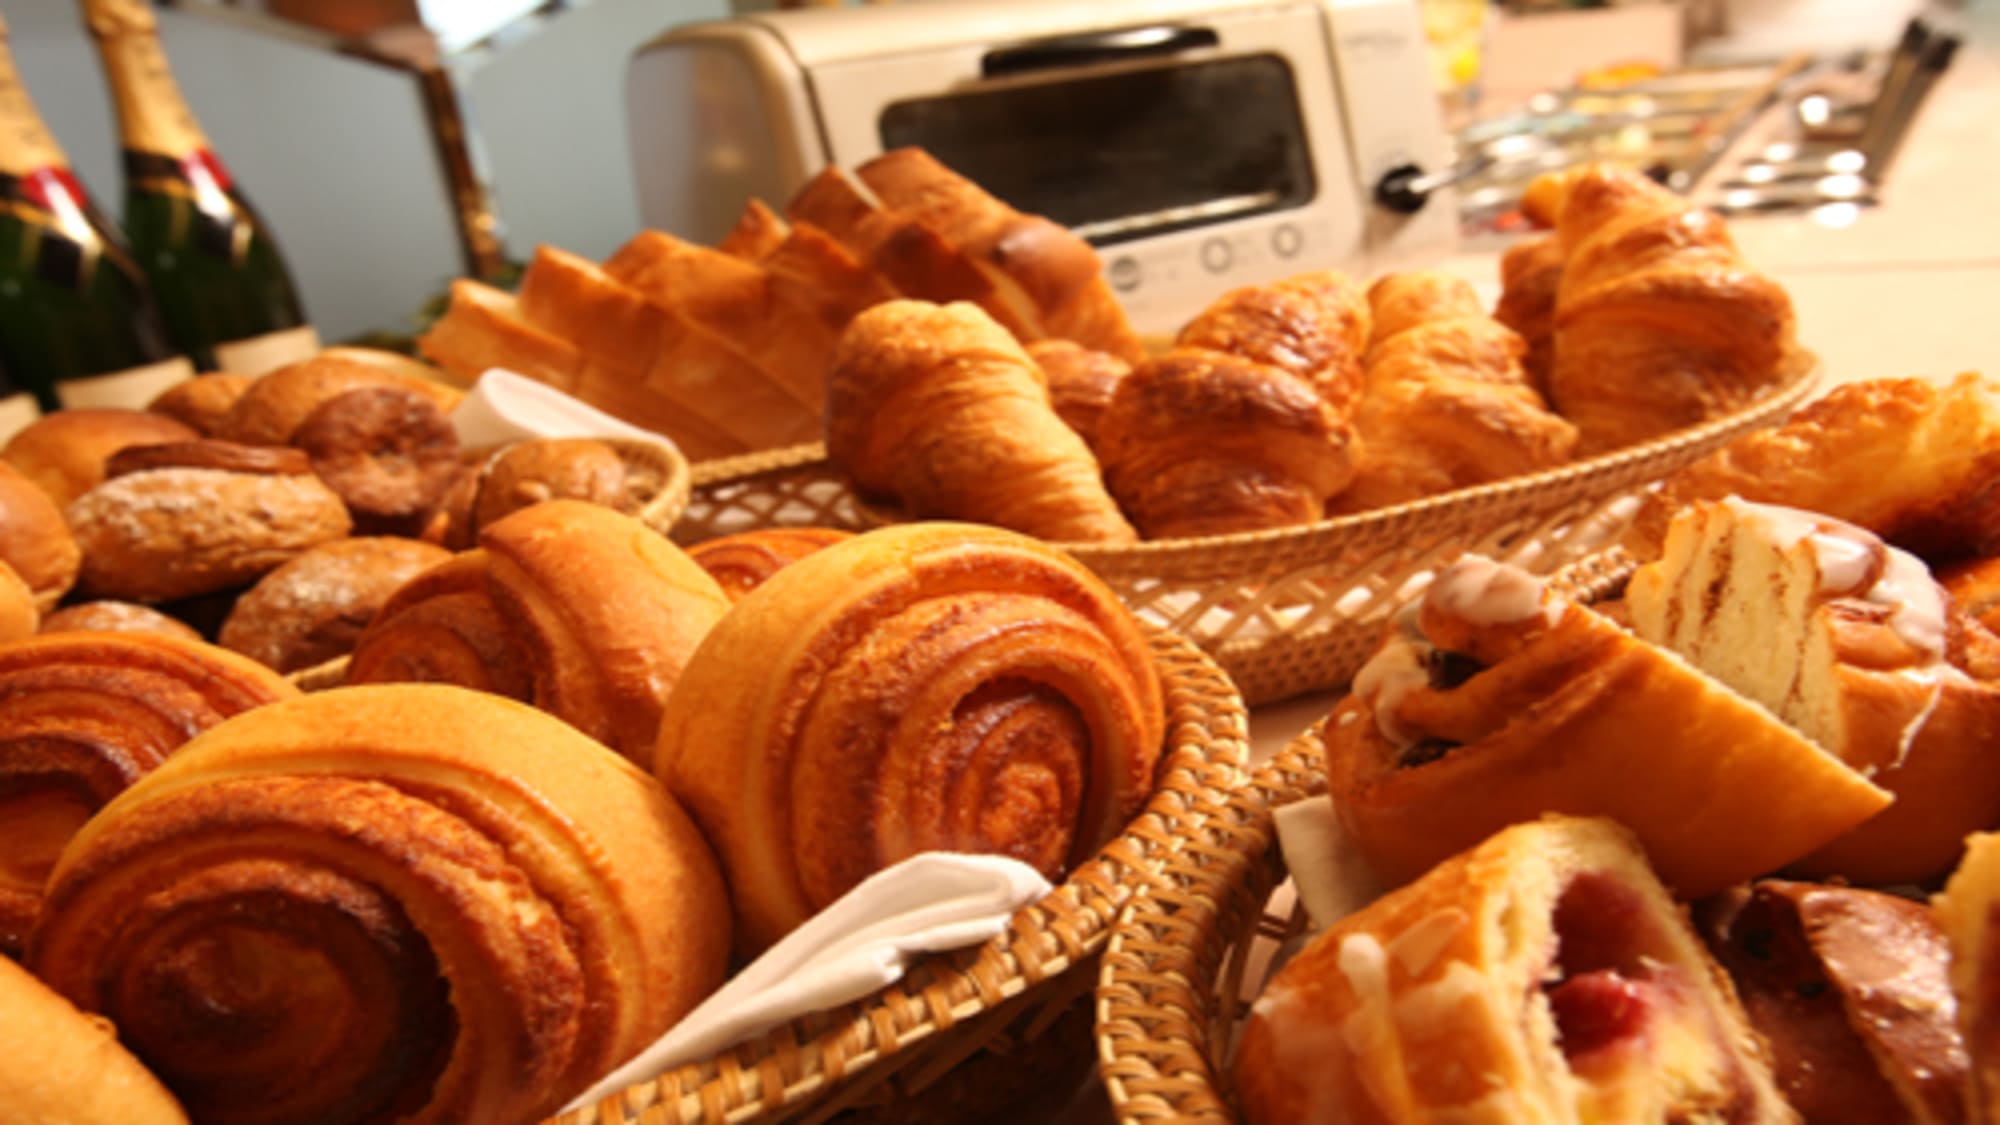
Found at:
<point>658,480</point>
<point>1295,610</point>
<point>992,998</point>
<point>1192,950</point>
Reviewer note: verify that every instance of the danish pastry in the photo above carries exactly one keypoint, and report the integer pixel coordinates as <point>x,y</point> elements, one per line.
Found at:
<point>1967,911</point>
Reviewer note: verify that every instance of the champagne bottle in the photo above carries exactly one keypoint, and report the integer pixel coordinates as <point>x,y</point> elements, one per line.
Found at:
<point>77,321</point>
<point>223,285</point>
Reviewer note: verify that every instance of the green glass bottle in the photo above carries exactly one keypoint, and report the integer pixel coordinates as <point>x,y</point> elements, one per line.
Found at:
<point>77,322</point>
<point>223,286</point>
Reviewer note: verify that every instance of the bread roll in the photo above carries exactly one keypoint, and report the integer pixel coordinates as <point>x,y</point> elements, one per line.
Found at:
<point>63,1067</point>
<point>1494,701</point>
<point>116,617</point>
<point>277,404</point>
<point>35,542</point>
<point>199,517</point>
<point>65,452</point>
<point>924,687</point>
<point>408,902</point>
<point>313,607</point>
<point>527,473</point>
<point>1542,975</point>
<point>203,402</point>
<point>388,453</point>
<point>18,615</point>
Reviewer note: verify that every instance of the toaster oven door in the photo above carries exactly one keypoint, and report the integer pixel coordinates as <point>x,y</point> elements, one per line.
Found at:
<point>1197,155</point>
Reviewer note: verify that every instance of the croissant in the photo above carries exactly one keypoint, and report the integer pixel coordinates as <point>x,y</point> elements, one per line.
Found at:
<point>82,716</point>
<point>1494,701</point>
<point>1854,644</point>
<point>1916,461</point>
<point>1966,912</point>
<point>585,612</point>
<point>915,688</point>
<point>63,1067</point>
<point>741,562</point>
<point>1543,975</point>
<point>1081,382</point>
<point>409,902</point>
<point>1659,323</point>
<point>1314,325</point>
<point>1447,403</point>
<point>1849,987</point>
<point>939,407</point>
<point>1199,442</point>
<point>1530,274</point>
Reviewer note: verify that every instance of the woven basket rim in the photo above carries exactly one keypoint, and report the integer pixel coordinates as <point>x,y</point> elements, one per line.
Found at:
<point>659,510</point>
<point>1801,373</point>
<point>1207,747</point>
<point>1154,968</point>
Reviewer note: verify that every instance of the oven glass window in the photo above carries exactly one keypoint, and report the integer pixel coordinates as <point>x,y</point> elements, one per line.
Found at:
<point>1130,154</point>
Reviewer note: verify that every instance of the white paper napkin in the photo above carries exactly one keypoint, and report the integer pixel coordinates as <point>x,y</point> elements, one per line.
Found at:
<point>503,406</point>
<point>1331,878</point>
<point>928,903</point>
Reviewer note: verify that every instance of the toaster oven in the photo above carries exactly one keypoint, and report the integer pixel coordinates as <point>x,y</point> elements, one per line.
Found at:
<point>1198,144</point>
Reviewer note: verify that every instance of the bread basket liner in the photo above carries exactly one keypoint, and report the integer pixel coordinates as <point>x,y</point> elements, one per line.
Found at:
<point>1189,954</point>
<point>1291,610</point>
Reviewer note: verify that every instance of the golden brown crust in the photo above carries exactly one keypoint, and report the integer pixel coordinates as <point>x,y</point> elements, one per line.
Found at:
<point>583,611</point>
<point>1916,461</point>
<point>1204,443</point>
<point>35,541</point>
<point>201,403</point>
<point>482,327</point>
<point>1974,586</point>
<point>743,561</point>
<point>263,460</point>
<point>1849,987</point>
<point>920,687</point>
<point>530,472</point>
<point>64,1067</point>
<point>116,617</point>
<point>65,452</point>
<point>388,453</point>
<point>938,407</point>
<point>1530,275</point>
<point>277,404</point>
<point>1447,403</point>
<point>1542,975</point>
<point>18,615</point>
<point>1081,382</point>
<point>1659,323</point>
<point>82,716</point>
<point>494,910</point>
<point>1313,325</point>
<point>177,530</point>
<point>313,608</point>
<point>1967,911</point>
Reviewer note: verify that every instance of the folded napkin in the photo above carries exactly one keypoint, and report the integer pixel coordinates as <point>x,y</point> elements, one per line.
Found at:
<point>1331,878</point>
<point>503,407</point>
<point>928,903</point>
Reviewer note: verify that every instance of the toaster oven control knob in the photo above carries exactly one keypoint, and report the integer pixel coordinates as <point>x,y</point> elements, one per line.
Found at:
<point>1405,188</point>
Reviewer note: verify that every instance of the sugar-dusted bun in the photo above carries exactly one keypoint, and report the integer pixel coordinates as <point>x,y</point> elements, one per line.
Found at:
<point>116,617</point>
<point>313,608</point>
<point>34,540</point>
<point>63,1066</point>
<point>272,410</point>
<point>65,452</point>
<point>199,517</point>
<point>1543,975</point>
<point>201,403</point>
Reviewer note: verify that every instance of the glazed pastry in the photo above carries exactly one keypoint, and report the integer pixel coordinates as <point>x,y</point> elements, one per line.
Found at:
<point>313,608</point>
<point>63,1067</point>
<point>938,407</point>
<point>1542,975</point>
<point>1530,274</point>
<point>273,408</point>
<point>388,453</point>
<point>1313,325</point>
<point>1849,987</point>
<point>35,542</point>
<point>408,902</point>
<point>1659,323</point>
<point>1967,912</point>
<point>1034,263</point>
<point>585,612</point>
<point>1206,443</point>
<point>201,403</point>
<point>1081,382</point>
<point>197,517</point>
<point>1447,403</point>
<point>1494,700</point>
<point>1916,461</point>
<point>116,617</point>
<point>82,716</point>
<point>65,452</point>
<point>529,472</point>
<point>1852,643</point>
<point>741,562</point>
<point>916,688</point>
